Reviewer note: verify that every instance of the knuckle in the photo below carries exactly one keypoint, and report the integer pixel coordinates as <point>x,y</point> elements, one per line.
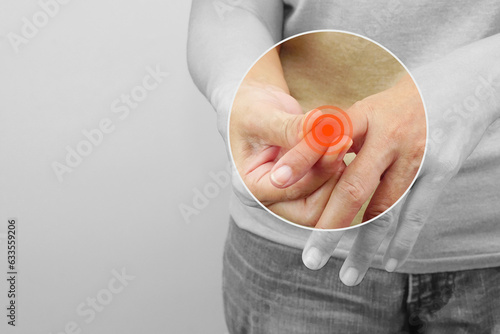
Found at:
<point>285,126</point>
<point>289,129</point>
<point>353,189</point>
<point>415,155</point>
<point>416,219</point>
<point>327,240</point>
<point>385,221</point>
<point>275,122</point>
<point>402,244</point>
<point>444,168</point>
<point>375,210</point>
<point>294,192</point>
<point>301,158</point>
<point>419,148</point>
<point>363,106</point>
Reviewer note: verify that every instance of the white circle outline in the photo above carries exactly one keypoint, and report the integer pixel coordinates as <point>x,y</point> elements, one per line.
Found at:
<point>342,228</point>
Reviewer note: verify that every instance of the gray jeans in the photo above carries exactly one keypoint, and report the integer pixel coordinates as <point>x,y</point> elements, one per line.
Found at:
<point>267,289</point>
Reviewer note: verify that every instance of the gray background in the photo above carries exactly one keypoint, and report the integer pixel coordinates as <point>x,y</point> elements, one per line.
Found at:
<point>120,208</point>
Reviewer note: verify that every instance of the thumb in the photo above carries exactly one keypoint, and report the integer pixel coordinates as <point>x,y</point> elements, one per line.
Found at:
<point>326,131</point>
<point>280,128</point>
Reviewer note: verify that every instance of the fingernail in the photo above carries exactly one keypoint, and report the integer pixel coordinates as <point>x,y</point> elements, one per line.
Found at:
<point>391,265</point>
<point>282,175</point>
<point>346,148</point>
<point>350,276</point>
<point>312,258</point>
<point>341,156</point>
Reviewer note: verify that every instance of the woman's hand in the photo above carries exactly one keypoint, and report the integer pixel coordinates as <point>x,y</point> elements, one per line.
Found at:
<point>461,106</point>
<point>389,139</point>
<point>265,123</point>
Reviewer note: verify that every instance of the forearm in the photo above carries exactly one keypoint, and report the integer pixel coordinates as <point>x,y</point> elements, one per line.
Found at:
<point>221,48</point>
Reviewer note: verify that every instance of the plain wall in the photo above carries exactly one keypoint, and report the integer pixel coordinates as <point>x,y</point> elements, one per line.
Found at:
<point>120,207</point>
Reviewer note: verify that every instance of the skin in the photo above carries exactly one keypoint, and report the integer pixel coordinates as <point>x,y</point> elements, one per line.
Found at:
<point>389,141</point>
<point>396,119</point>
<point>266,122</point>
<point>214,41</point>
<point>452,138</point>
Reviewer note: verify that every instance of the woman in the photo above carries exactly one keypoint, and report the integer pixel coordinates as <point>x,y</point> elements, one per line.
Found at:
<point>442,246</point>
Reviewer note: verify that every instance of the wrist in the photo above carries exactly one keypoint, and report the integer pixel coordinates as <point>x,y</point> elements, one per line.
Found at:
<point>268,72</point>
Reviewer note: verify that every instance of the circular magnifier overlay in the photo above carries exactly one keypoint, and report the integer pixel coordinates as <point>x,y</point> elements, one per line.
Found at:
<point>294,105</point>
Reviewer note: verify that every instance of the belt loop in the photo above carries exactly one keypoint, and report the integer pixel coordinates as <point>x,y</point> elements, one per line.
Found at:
<point>410,289</point>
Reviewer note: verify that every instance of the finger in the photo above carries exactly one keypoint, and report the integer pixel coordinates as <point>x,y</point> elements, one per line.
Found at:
<point>282,129</point>
<point>277,127</point>
<point>329,164</point>
<point>319,247</point>
<point>306,211</point>
<point>328,169</point>
<point>325,168</point>
<point>258,181</point>
<point>359,181</point>
<point>322,136</point>
<point>261,187</point>
<point>395,182</point>
<point>418,207</point>
<point>295,164</point>
<point>239,189</point>
<point>365,246</point>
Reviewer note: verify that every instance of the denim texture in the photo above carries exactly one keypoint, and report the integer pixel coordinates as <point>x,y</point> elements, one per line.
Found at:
<point>267,289</point>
